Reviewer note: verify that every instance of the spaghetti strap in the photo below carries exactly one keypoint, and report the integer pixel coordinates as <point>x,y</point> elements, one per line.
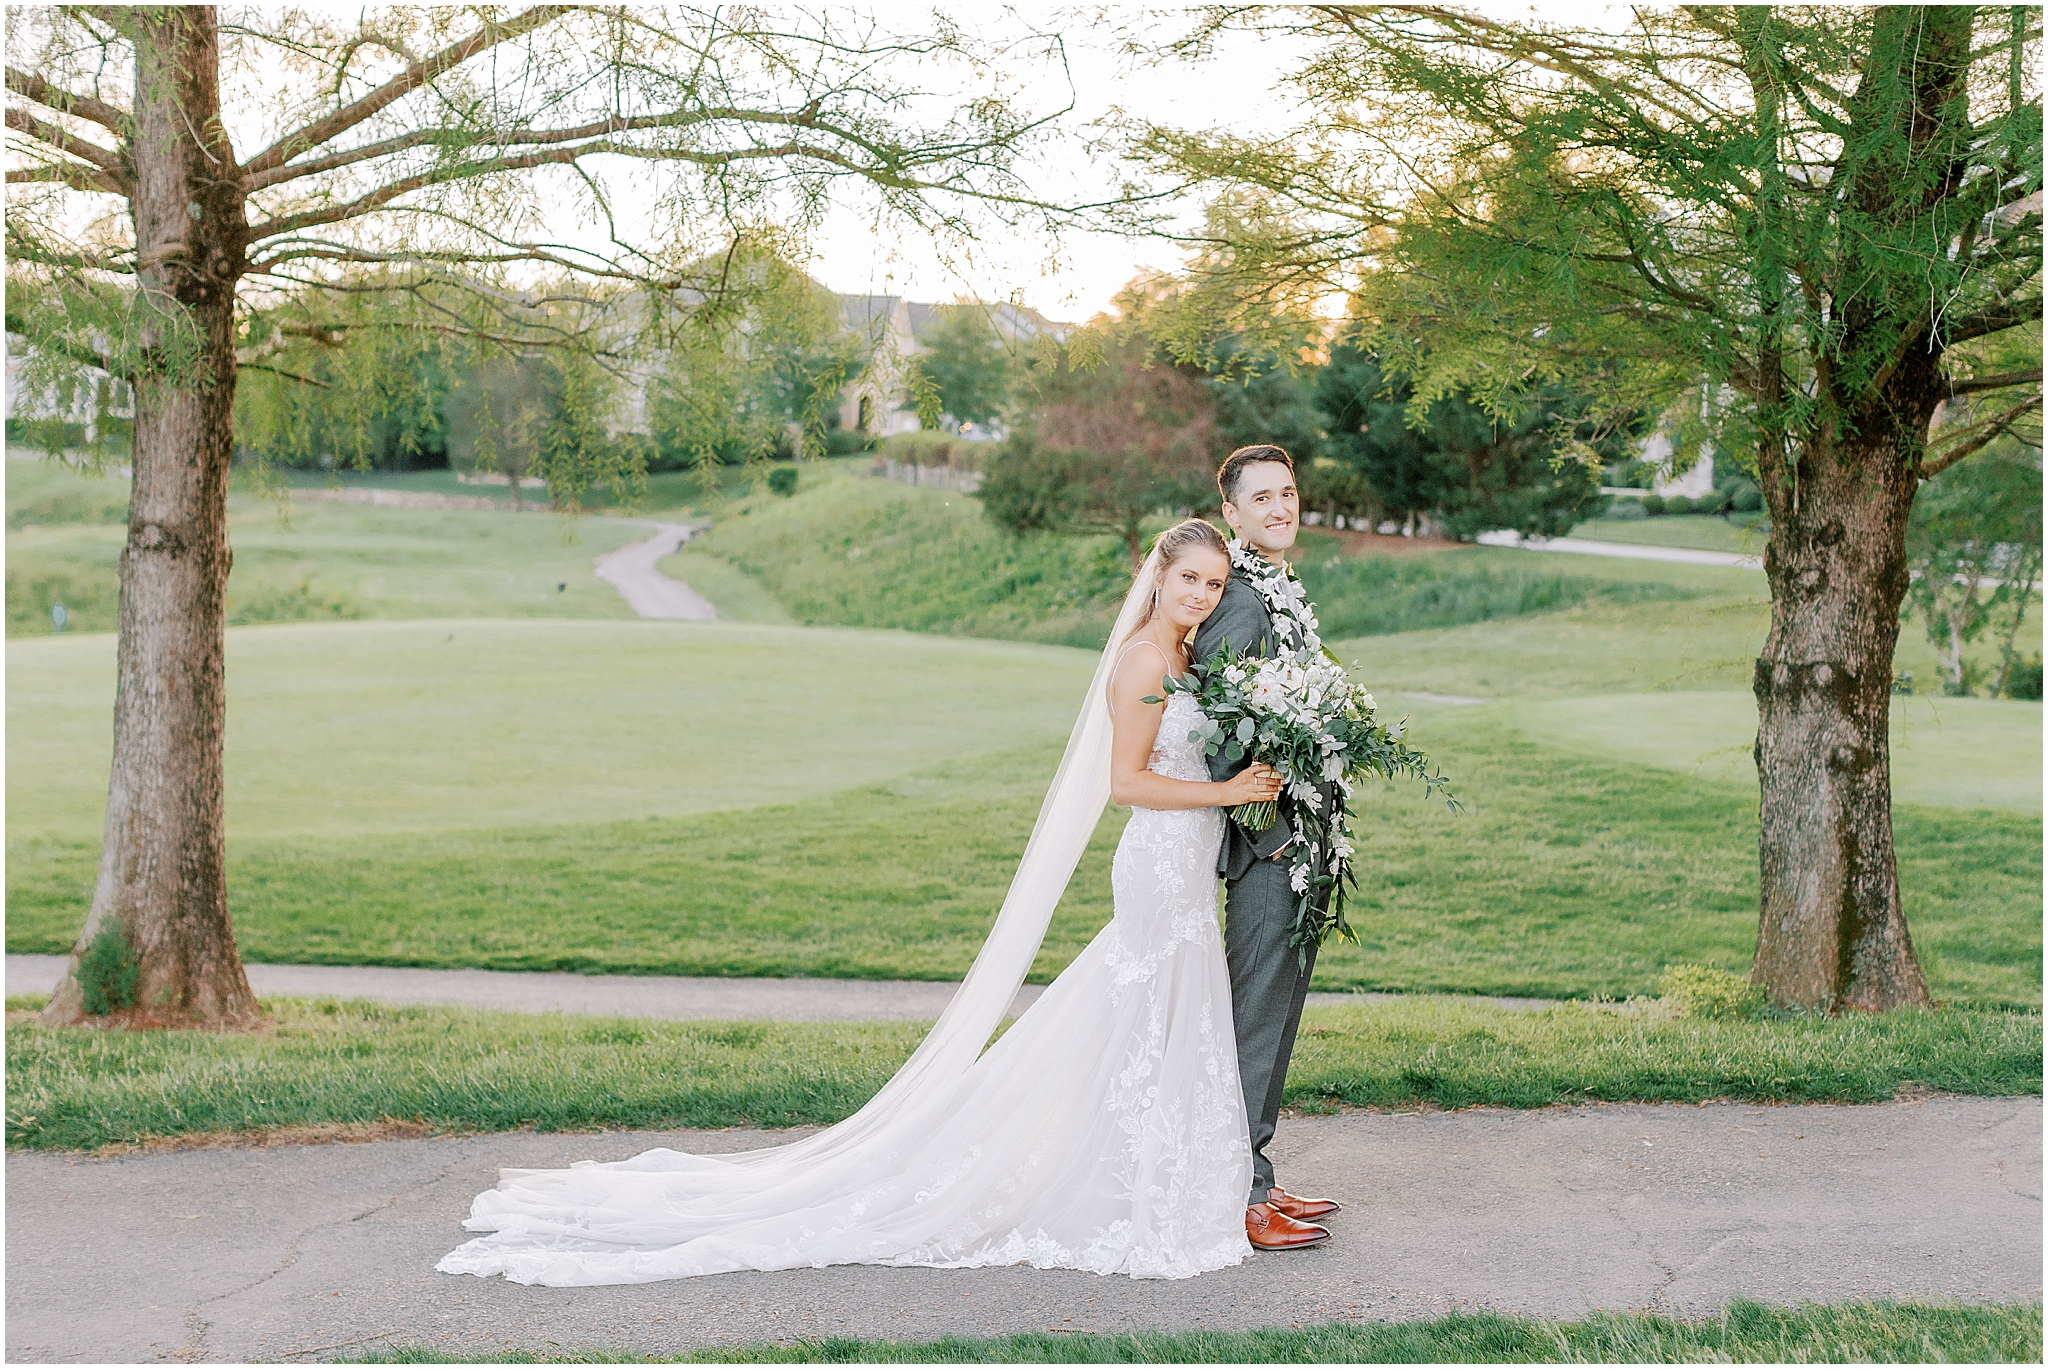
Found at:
<point>1110,698</point>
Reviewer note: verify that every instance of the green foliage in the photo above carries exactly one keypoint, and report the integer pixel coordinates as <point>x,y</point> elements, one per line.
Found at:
<point>974,370</point>
<point>1743,1332</point>
<point>108,971</point>
<point>2024,681</point>
<point>1109,435</point>
<point>1653,505</point>
<point>1672,213</point>
<point>1473,471</point>
<point>1677,505</point>
<point>326,1063</point>
<point>756,377</point>
<point>1977,521</point>
<point>1370,596</point>
<point>1708,992</point>
<point>782,481</point>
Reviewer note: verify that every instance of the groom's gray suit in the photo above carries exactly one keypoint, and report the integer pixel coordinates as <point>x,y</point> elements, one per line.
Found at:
<point>1268,983</point>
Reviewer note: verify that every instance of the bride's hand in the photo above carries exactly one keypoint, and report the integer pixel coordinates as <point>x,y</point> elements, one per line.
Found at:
<point>1256,783</point>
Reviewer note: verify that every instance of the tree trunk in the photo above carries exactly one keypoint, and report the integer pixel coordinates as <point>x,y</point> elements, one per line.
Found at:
<point>162,879</point>
<point>1832,934</point>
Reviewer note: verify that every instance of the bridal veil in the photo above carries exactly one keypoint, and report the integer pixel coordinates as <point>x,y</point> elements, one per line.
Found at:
<point>886,1185</point>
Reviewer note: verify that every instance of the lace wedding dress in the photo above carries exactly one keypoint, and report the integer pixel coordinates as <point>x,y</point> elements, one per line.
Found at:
<point>1105,1131</point>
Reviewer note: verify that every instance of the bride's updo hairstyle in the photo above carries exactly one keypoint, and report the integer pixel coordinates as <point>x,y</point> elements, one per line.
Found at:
<point>1176,542</point>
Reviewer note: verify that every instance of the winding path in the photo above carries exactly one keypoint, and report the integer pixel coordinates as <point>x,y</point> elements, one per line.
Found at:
<point>631,570</point>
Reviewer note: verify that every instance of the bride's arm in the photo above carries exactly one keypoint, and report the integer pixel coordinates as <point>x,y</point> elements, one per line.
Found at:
<point>1135,726</point>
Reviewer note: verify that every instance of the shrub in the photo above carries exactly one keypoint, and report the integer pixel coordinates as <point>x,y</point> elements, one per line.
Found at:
<point>1625,509</point>
<point>782,481</point>
<point>847,441</point>
<point>1748,499</point>
<point>107,971</point>
<point>1705,992</point>
<point>1713,501</point>
<point>2025,680</point>
<point>1653,504</point>
<point>1677,504</point>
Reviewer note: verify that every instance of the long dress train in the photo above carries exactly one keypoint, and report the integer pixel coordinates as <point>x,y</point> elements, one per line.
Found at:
<point>1104,1131</point>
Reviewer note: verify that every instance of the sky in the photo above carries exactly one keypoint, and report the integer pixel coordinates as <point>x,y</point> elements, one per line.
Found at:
<point>1074,278</point>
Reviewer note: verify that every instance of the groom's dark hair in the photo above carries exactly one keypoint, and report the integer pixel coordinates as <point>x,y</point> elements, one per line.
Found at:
<point>1234,464</point>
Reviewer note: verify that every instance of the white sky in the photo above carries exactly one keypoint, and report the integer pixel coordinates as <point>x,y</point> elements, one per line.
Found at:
<point>1075,278</point>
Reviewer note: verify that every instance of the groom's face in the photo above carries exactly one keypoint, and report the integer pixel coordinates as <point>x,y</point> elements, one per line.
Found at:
<point>1266,509</point>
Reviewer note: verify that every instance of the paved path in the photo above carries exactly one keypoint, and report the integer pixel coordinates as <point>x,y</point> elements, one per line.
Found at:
<point>1625,550</point>
<point>299,1253</point>
<point>671,997</point>
<point>631,571</point>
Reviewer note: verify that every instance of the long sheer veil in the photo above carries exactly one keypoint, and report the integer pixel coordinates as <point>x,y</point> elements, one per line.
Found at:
<point>1066,820</point>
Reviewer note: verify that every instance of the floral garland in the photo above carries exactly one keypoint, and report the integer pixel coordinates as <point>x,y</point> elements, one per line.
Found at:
<point>1294,617</point>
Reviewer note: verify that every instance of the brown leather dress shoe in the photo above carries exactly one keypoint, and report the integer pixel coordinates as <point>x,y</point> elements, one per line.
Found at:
<point>1269,1229</point>
<point>1302,1209</point>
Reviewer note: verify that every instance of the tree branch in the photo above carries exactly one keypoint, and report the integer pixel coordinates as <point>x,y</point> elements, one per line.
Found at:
<point>412,78</point>
<point>77,175</point>
<point>85,107</point>
<point>74,351</point>
<point>71,144</point>
<point>1993,321</point>
<point>2003,381</point>
<point>1935,465</point>
<point>288,375</point>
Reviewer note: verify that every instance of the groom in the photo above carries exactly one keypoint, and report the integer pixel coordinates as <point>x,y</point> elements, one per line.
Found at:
<point>1268,982</point>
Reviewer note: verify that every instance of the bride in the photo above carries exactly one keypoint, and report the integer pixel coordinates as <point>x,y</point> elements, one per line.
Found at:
<point>1106,1129</point>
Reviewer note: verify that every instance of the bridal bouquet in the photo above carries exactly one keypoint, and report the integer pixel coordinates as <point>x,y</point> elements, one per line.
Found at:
<point>1301,714</point>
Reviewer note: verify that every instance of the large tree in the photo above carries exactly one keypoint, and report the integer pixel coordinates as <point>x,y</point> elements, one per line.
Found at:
<point>170,164</point>
<point>1814,231</point>
<point>1110,430</point>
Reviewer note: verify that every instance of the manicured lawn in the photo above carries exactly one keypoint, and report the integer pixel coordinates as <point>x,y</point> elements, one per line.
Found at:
<point>1957,753</point>
<point>345,729</point>
<point>1743,533</point>
<point>1566,876</point>
<point>327,1064</point>
<point>340,561</point>
<point>1743,1333</point>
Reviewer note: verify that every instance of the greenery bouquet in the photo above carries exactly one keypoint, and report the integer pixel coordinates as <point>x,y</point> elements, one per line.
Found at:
<point>1301,714</point>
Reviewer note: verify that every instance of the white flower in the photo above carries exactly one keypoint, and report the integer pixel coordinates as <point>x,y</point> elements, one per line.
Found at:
<point>1333,767</point>
<point>1298,881</point>
<point>1367,701</point>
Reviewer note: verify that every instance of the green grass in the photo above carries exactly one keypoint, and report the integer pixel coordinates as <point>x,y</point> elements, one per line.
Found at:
<point>346,729</point>
<point>1958,753</point>
<point>1567,876</point>
<point>1745,1333</point>
<point>346,561</point>
<point>327,1064</point>
<point>871,553</point>
<point>1742,533</point>
<point>1377,595</point>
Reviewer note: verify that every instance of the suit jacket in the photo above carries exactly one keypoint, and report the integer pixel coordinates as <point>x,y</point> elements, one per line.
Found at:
<point>1242,622</point>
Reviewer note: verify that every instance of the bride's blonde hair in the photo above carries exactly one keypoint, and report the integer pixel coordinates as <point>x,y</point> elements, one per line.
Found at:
<point>1176,542</point>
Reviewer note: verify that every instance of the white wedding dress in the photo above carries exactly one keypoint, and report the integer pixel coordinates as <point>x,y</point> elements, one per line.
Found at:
<point>1105,1131</point>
